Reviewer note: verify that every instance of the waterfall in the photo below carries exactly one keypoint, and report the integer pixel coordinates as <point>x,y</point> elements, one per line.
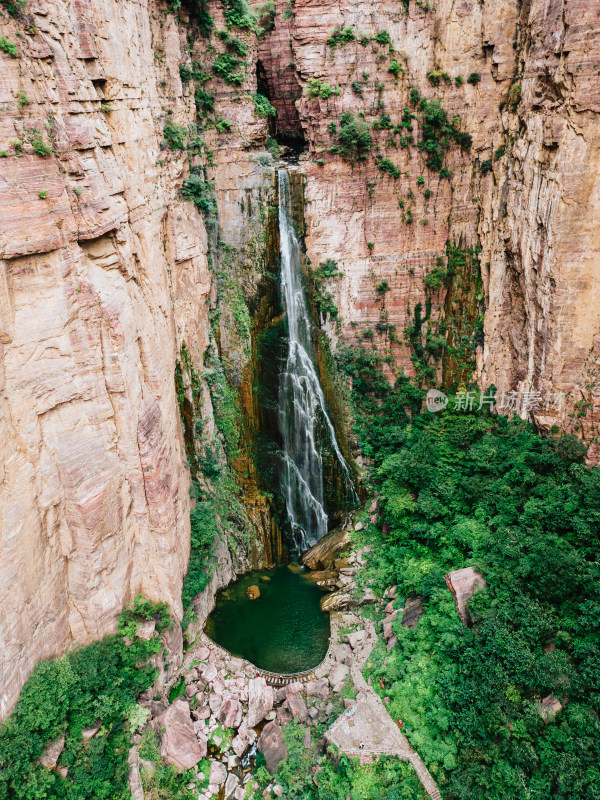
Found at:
<point>301,400</point>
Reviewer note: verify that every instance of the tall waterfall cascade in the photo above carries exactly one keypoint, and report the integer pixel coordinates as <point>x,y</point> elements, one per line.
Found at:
<point>302,407</point>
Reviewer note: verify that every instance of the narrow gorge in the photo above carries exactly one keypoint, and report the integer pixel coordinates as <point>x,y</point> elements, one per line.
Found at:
<point>299,399</point>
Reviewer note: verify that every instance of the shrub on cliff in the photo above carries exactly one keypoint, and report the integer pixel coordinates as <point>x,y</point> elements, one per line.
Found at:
<point>238,14</point>
<point>266,16</point>
<point>229,68</point>
<point>14,6</point>
<point>8,46</point>
<point>438,133</point>
<point>233,44</point>
<point>40,146</point>
<point>200,191</point>
<point>354,138</point>
<point>175,136</point>
<point>262,107</point>
<point>386,165</point>
<point>318,88</point>
<point>341,36</point>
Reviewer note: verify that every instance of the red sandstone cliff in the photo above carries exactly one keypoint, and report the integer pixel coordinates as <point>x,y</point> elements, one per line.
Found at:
<point>104,270</point>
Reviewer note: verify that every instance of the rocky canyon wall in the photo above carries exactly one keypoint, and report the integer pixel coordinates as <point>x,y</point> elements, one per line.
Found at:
<point>106,271</point>
<point>524,80</point>
<point>103,276</point>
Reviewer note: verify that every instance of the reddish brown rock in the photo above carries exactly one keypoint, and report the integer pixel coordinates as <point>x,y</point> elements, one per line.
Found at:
<point>179,744</point>
<point>323,554</point>
<point>230,713</point>
<point>296,705</point>
<point>272,745</point>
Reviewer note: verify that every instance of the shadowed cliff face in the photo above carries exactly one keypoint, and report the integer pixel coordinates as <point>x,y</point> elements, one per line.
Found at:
<point>104,268</point>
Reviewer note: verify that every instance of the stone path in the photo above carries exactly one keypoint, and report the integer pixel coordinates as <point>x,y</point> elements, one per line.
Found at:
<point>371,725</point>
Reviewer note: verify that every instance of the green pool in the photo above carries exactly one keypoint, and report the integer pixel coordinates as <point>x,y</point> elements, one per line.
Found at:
<point>284,630</point>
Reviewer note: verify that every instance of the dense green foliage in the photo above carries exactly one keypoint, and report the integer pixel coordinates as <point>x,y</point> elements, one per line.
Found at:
<point>100,682</point>
<point>175,136</point>
<point>229,68</point>
<point>322,298</point>
<point>8,46</point>
<point>463,488</point>
<point>200,191</point>
<point>238,14</point>
<point>318,88</point>
<point>233,44</point>
<point>203,541</point>
<point>354,138</point>
<point>309,775</point>
<point>262,107</point>
<point>438,133</point>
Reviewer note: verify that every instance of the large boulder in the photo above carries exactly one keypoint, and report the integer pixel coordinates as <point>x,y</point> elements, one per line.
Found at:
<point>272,745</point>
<point>325,578</point>
<point>52,751</point>
<point>549,708</point>
<point>230,713</point>
<point>413,611</point>
<point>218,773</point>
<point>319,688</point>
<point>463,583</point>
<point>179,745</point>
<point>260,701</point>
<point>338,601</point>
<point>337,676</point>
<point>356,640</point>
<point>323,554</point>
<point>296,705</point>
<point>253,592</point>
<point>231,784</point>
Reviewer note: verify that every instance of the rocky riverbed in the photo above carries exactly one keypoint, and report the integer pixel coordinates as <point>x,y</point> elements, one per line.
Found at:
<point>227,711</point>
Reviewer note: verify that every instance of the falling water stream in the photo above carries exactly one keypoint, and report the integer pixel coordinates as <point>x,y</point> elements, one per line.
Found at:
<point>302,408</point>
<point>283,629</point>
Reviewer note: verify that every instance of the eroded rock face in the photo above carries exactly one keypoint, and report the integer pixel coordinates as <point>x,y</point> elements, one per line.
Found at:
<point>180,746</point>
<point>103,277</point>
<point>533,116</point>
<point>52,752</point>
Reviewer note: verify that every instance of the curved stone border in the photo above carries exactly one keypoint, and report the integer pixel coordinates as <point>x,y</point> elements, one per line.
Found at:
<point>279,679</point>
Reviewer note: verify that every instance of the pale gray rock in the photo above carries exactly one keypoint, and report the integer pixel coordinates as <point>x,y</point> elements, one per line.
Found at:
<point>52,752</point>
<point>260,701</point>
<point>218,773</point>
